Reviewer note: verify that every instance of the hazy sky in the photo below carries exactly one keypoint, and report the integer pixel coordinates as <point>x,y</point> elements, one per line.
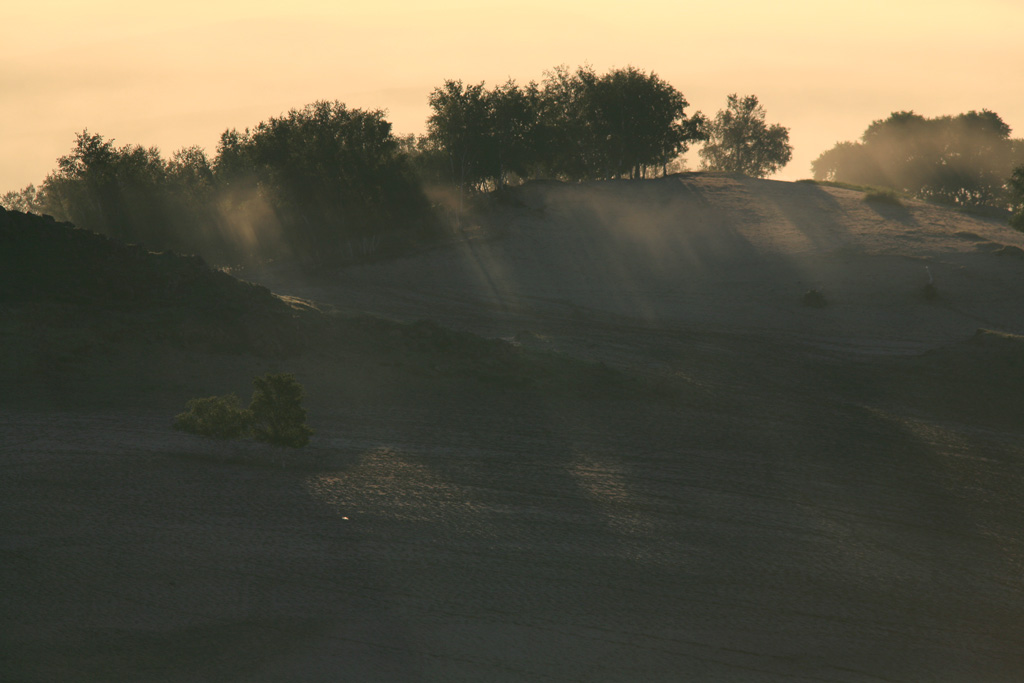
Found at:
<point>181,73</point>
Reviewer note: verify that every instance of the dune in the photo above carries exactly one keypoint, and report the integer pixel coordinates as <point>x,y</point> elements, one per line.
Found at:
<point>621,444</point>
<point>706,252</point>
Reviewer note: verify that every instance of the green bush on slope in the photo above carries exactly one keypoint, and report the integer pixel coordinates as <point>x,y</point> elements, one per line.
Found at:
<point>220,417</point>
<point>275,414</point>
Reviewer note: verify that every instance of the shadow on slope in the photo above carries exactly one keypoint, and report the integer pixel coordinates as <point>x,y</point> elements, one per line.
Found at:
<point>55,275</point>
<point>86,317</point>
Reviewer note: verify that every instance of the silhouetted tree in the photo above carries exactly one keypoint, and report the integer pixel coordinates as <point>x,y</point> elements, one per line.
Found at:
<point>324,180</point>
<point>564,138</point>
<point>740,141</point>
<point>119,191</point>
<point>963,160</point>
<point>24,200</point>
<point>846,162</point>
<point>511,126</point>
<point>1016,192</point>
<point>459,128</point>
<point>335,178</point>
<point>624,123</point>
<point>277,414</point>
<point>638,122</point>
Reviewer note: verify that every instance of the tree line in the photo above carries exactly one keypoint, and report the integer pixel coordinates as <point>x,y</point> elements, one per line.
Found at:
<point>322,182</point>
<point>579,125</point>
<point>966,160</point>
<point>326,182</point>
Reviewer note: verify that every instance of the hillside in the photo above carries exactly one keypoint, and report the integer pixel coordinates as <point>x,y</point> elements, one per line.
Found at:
<point>51,271</point>
<point>704,252</point>
<point>85,318</point>
<point>597,435</point>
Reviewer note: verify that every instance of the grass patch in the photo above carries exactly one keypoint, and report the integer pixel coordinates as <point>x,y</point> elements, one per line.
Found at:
<point>841,185</point>
<point>872,193</point>
<point>883,197</point>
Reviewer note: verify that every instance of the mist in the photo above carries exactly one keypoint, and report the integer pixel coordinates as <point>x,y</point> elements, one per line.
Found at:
<point>173,77</point>
<point>552,378</point>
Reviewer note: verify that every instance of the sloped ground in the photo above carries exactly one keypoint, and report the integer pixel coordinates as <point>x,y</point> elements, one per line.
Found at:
<point>788,493</point>
<point>76,291</point>
<point>705,253</point>
<point>87,318</point>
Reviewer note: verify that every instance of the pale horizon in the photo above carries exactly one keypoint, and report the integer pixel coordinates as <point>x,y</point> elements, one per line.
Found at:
<point>172,77</point>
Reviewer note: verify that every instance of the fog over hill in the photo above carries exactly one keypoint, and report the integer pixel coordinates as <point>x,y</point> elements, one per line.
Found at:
<point>708,252</point>
<point>628,445</point>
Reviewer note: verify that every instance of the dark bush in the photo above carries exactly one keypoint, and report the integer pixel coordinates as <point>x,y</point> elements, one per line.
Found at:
<point>277,414</point>
<point>883,197</point>
<point>218,416</point>
<point>814,299</point>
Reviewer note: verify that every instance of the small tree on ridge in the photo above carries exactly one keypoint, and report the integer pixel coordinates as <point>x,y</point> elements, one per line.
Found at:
<point>740,140</point>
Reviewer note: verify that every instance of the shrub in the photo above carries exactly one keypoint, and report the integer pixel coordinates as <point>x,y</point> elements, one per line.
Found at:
<point>218,416</point>
<point>814,299</point>
<point>883,197</point>
<point>277,414</point>
<point>274,416</point>
<point>1016,187</point>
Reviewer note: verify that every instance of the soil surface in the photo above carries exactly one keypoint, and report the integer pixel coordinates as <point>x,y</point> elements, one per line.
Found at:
<point>689,475</point>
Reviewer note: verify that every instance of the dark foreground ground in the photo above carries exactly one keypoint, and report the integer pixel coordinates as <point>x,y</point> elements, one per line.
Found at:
<point>748,489</point>
<point>827,520</point>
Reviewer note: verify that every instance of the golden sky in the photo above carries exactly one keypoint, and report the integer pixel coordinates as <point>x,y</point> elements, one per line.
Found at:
<point>181,73</point>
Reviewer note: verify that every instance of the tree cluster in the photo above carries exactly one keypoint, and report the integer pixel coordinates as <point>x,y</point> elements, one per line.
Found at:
<point>1016,191</point>
<point>328,183</point>
<point>575,125</point>
<point>964,160</point>
<point>320,182</point>
<point>739,140</point>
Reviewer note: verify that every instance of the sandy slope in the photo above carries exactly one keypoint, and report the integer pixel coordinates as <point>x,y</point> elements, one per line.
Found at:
<point>709,253</point>
<point>806,502</point>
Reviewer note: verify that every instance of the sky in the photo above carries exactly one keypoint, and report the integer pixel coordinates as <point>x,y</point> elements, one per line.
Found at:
<point>171,75</point>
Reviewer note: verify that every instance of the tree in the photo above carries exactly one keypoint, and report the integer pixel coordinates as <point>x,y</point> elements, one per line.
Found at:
<point>1016,186</point>
<point>460,127</point>
<point>25,200</point>
<point>846,162</point>
<point>964,160</point>
<point>638,122</point>
<point>624,123</point>
<point>277,414</point>
<point>117,191</point>
<point>577,125</point>
<point>334,178</point>
<point>740,141</point>
<point>511,123</point>
<point>565,141</point>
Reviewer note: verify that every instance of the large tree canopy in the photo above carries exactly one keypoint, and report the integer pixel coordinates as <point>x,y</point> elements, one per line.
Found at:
<point>575,125</point>
<point>324,180</point>
<point>740,141</point>
<point>333,174</point>
<point>461,128</point>
<point>1016,187</point>
<point>963,160</point>
<point>108,189</point>
<point>637,122</point>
